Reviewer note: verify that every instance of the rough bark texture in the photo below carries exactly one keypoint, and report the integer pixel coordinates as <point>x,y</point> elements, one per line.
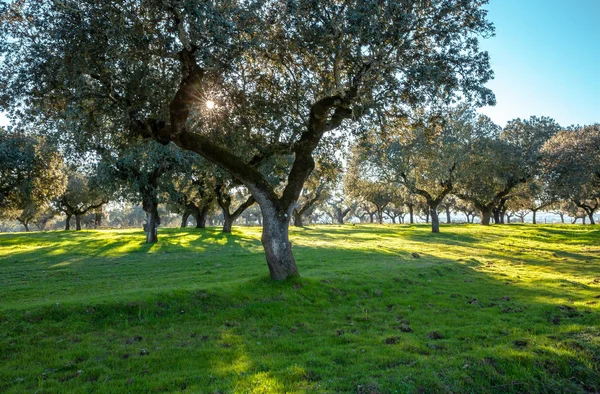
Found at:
<point>486,215</point>
<point>152,222</point>
<point>591,216</point>
<point>534,211</point>
<point>77,222</point>
<point>411,213</point>
<point>435,220</point>
<point>68,223</point>
<point>275,240</point>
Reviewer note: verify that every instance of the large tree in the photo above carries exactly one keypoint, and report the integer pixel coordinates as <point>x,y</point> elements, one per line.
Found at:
<point>426,156</point>
<point>572,167</point>
<point>31,175</point>
<point>501,159</point>
<point>239,82</point>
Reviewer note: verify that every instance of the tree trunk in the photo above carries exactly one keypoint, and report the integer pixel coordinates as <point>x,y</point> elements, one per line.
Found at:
<point>448,219</point>
<point>508,219</point>
<point>427,216</point>
<point>486,215</point>
<point>184,219</point>
<point>275,240</point>
<point>393,219</point>
<point>496,215</point>
<point>435,220</point>
<point>227,221</point>
<point>562,217</point>
<point>97,219</point>
<point>26,225</point>
<point>298,219</point>
<point>200,217</point>
<point>77,222</point>
<point>379,215</point>
<point>68,223</point>
<point>411,214</point>
<point>152,222</point>
<point>591,216</point>
<point>534,211</point>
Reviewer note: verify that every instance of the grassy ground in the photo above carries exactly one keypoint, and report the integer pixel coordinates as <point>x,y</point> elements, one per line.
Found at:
<point>500,309</point>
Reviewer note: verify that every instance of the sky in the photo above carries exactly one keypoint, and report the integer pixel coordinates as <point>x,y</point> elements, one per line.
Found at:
<point>546,60</point>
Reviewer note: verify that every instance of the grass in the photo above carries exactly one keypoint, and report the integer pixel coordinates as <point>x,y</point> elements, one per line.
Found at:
<point>493,310</point>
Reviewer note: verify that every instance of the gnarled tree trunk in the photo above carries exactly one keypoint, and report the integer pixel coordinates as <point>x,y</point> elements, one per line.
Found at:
<point>184,218</point>
<point>486,215</point>
<point>200,217</point>
<point>275,240</point>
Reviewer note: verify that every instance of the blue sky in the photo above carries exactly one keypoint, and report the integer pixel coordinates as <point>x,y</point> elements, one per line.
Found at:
<point>546,59</point>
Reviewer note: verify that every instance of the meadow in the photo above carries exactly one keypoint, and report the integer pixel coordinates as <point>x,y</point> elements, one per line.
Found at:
<point>377,309</point>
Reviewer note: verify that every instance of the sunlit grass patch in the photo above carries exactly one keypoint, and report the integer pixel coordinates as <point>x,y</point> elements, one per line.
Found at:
<point>377,309</point>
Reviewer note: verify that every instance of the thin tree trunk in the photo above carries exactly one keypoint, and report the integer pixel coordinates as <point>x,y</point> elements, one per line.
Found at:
<point>426,216</point>
<point>562,217</point>
<point>435,220</point>
<point>591,216</point>
<point>534,211</point>
<point>448,219</point>
<point>97,219</point>
<point>68,223</point>
<point>411,213</point>
<point>77,222</point>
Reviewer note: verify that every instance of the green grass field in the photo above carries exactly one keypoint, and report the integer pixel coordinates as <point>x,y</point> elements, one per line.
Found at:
<point>493,310</point>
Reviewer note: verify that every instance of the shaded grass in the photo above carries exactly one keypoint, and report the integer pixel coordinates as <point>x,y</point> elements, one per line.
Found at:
<point>498,309</point>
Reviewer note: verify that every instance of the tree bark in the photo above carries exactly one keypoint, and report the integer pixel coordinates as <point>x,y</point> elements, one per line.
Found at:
<point>591,216</point>
<point>486,215</point>
<point>200,217</point>
<point>435,220</point>
<point>97,219</point>
<point>448,219</point>
<point>184,219</point>
<point>77,222</point>
<point>411,213</point>
<point>275,240</point>
<point>152,222</point>
<point>227,221</point>
<point>68,223</point>
<point>496,213</point>
<point>534,211</point>
<point>298,219</point>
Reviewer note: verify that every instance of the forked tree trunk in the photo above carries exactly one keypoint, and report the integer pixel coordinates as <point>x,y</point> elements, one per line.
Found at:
<point>435,220</point>
<point>275,240</point>
<point>77,222</point>
<point>496,215</point>
<point>68,223</point>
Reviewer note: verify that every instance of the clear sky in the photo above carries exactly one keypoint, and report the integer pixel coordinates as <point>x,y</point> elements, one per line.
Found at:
<point>546,59</point>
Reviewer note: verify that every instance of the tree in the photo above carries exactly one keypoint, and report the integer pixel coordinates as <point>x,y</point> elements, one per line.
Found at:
<point>500,160</point>
<point>318,187</point>
<point>426,156</point>
<point>572,167</point>
<point>223,191</point>
<point>82,194</point>
<point>276,75</point>
<point>138,171</point>
<point>31,174</point>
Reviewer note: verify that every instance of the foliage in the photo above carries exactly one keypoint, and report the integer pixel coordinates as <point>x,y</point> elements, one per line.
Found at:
<point>31,174</point>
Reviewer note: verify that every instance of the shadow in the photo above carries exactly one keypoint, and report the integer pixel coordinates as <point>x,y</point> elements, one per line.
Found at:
<point>198,313</point>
